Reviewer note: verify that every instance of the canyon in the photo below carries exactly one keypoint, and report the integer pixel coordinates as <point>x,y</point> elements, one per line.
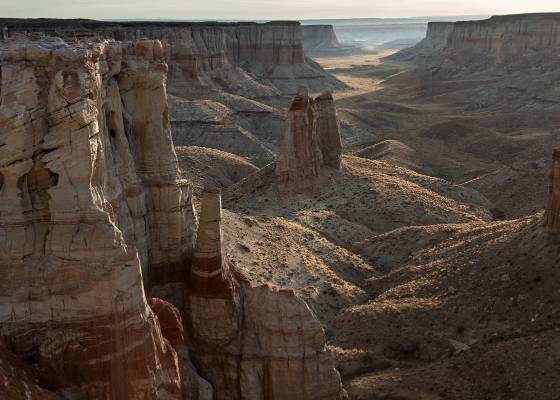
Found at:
<point>95,219</point>
<point>215,211</point>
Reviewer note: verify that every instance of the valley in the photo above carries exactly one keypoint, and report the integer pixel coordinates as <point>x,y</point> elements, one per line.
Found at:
<point>206,211</point>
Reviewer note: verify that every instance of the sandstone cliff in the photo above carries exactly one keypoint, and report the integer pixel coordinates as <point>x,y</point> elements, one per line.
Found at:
<point>311,139</point>
<point>93,215</point>
<point>251,342</point>
<point>508,39</point>
<point>254,60</point>
<point>436,38</point>
<point>319,39</point>
<point>90,197</point>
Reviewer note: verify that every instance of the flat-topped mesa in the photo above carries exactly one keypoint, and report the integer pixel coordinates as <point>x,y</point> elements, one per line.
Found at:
<point>251,342</point>
<point>311,140</point>
<point>328,129</point>
<point>508,40</point>
<point>207,55</point>
<point>552,213</point>
<point>89,197</point>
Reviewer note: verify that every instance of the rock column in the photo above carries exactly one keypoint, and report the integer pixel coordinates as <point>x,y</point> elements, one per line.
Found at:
<point>311,141</point>
<point>328,130</point>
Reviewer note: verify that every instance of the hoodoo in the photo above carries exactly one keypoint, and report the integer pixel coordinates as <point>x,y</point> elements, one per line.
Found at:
<point>552,213</point>
<point>311,140</point>
<point>251,342</point>
<point>299,160</point>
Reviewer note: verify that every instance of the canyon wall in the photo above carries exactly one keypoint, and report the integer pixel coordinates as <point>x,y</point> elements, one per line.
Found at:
<point>89,198</point>
<point>254,60</point>
<point>320,40</point>
<point>504,39</point>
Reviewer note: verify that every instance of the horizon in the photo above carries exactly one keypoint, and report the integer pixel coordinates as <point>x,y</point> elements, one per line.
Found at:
<point>267,10</point>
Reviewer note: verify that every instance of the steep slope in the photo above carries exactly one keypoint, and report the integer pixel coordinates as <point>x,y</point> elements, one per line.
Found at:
<point>205,167</point>
<point>399,197</point>
<point>473,303</point>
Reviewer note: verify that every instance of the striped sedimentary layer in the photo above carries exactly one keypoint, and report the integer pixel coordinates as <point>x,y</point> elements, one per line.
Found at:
<point>251,342</point>
<point>253,60</point>
<point>90,200</point>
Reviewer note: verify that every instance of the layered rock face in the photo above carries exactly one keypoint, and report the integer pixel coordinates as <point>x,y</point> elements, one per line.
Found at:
<point>89,197</point>
<point>503,37</point>
<point>499,39</point>
<point>251,342</point>
<point>311,140</point>
<point>262,46</point>
<point>436,38</point>
<point>211,55</point>
<point>18,381</point>
<point>552,213</point>
<point>321,40</point>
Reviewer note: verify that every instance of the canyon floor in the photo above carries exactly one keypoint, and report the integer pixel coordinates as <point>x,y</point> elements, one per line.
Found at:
<point>410,254</point>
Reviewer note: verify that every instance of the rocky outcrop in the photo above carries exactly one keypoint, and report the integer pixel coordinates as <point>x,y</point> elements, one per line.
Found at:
<point>311,139</point>
<point>170,321</point>
<point>552,213</point>
<point>18,381</point>
<point>251,342</point>
<point>90,200</point>
<point>209,55</point>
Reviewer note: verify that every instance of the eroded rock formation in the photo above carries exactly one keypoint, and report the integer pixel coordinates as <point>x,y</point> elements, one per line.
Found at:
<point>251,342</point>
<point>210,55</point>
<point>90,196</point>
<point>328,129</point>
<point>92,212</point>
<point>552,213</point>
<point>18,381</point>
<point>299,160</point>
<point>311,140</point>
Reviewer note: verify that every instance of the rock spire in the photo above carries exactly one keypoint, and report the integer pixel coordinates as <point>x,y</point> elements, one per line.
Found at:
<point>251,342</point>
<point>311,140</point>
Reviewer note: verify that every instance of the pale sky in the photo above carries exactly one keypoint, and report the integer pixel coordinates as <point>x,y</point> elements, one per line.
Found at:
<point>265,9</point>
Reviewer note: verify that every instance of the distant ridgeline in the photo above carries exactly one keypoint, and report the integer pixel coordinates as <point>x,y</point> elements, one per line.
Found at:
<point>497,40</point>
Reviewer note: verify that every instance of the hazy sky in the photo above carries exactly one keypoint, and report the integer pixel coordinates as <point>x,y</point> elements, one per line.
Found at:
<point>265,9</point>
